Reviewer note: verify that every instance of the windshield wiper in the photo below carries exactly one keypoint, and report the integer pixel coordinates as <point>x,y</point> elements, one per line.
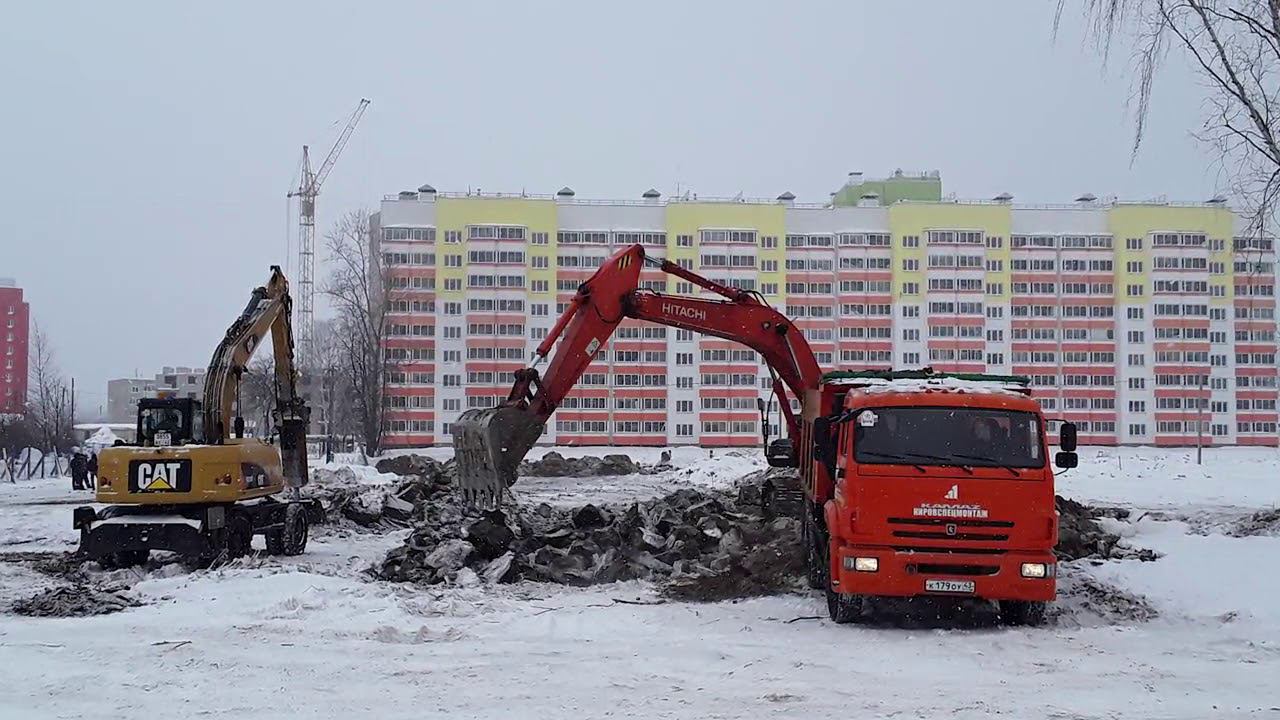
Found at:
<point>994,463</point>
<point>891,456</point>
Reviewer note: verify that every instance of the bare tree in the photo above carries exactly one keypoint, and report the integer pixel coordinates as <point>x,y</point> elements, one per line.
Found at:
<point>16,435</point>
<point>331,360</point>
<point>258,392</point>
<point>1234,47</point>
<point>48,396</point>
<point>357,288</point>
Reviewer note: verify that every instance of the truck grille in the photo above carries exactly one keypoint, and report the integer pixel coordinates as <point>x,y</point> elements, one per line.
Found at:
<point>947,569</point>
<point>965,530</point>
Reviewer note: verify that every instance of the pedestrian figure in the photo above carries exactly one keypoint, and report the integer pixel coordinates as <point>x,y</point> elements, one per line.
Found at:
<point>79,470</point>
<point>93,470</point>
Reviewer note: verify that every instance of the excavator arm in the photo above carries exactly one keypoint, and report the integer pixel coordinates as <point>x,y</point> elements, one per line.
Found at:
<point>489,444</point>
<point>269,310</point>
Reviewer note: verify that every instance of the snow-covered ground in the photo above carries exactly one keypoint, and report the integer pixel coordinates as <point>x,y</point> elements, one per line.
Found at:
<point>311,637</point>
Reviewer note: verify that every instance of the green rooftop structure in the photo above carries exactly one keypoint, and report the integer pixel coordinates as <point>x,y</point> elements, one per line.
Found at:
<point>918,186</point>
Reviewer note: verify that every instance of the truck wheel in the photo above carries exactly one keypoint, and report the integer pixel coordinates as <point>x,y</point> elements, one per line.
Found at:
<point>815,564</point>
<point>843,608</point>
<point>1019,612</point>
<point>239,535</point>
<point>295,529</point>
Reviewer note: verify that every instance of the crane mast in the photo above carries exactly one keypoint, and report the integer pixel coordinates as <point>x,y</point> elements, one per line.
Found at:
<point>309,183</point>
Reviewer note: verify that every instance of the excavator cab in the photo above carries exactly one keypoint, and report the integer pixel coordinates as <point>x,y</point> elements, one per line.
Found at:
<point>165,422</point>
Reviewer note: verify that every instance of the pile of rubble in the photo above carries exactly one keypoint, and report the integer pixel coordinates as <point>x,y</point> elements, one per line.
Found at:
<point>553,464</point>
<point>700,544</point>
<point>1262,522</point>
<point>701,541</point>
<point>1081,536</point>
<point>346,499</point>
<point>74,601</point>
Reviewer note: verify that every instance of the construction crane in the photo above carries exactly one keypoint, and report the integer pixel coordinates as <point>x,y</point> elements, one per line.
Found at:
<point>308,188</point>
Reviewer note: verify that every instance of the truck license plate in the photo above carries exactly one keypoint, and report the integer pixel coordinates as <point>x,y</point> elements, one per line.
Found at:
<point>949,586</point>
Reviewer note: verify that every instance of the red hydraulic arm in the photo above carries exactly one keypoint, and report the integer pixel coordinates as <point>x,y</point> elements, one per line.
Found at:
<point>612,294</point>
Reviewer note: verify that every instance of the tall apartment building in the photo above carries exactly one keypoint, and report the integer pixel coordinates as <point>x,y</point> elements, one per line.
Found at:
<point>1145,323</point>
<point>17,327</point>
<point>123,393</point>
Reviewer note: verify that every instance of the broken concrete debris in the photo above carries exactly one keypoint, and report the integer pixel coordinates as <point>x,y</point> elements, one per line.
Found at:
<point>73,601</point>
<point>1080,535</point>
<point>1262,522</point>
<point>553,464</point>
<point>345,498</point>
<point>699,544</point>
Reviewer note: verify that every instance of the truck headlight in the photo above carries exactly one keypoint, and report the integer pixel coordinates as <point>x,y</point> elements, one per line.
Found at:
<point>862,564</point>
<point>1035,570</point>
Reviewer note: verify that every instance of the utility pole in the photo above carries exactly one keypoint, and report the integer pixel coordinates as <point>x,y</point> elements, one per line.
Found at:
<point>1200,422</point>
<point>330,374</point>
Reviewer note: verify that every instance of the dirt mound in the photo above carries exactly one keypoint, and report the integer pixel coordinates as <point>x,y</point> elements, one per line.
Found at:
<point>73,601</point>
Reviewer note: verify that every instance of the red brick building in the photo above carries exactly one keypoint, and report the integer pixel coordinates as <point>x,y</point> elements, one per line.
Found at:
<point>15,327</point>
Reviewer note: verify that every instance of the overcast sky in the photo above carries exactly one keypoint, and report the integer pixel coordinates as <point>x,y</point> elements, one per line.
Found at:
<point>145,150</point>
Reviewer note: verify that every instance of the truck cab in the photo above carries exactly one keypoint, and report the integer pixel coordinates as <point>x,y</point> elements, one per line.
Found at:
<point>931,485</point>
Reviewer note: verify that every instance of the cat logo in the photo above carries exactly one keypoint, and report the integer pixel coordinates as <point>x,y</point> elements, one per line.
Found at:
<point>953,493</point>
<point>160,476</point>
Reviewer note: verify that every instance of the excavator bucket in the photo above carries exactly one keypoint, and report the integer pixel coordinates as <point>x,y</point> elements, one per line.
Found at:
<point>488,446</point>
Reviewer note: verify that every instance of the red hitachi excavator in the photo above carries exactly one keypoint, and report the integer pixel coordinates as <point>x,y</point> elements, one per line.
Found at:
<point>914,482</point>
<point>489,444</point>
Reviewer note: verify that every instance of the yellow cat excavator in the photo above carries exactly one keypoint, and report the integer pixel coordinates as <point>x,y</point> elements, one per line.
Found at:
<point>193,483</point>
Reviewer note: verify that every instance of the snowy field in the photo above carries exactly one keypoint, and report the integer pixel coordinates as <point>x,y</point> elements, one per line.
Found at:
<point>311,637</point>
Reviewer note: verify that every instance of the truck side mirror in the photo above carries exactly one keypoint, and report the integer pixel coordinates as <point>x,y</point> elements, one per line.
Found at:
<point>1067,437</point>
<point>1066,459</point>
<point>821,431</point>
<point>760,404</point>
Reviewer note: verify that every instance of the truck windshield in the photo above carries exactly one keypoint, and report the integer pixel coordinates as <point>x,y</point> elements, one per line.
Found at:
<point>970,437</point>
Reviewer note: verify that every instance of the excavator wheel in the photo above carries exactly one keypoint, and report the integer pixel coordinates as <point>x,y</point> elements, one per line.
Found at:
<point>296,529</point>
<point>239,536</point>
<point>275,542</point>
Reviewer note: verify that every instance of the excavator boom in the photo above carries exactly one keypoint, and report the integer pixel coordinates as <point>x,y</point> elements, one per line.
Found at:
<point>489,444</point>
<point>269,310</point>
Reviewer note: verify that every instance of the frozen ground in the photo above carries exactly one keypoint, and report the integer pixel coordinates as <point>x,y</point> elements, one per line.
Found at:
<point>310,637</point>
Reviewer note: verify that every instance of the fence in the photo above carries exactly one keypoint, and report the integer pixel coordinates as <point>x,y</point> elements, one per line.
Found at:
<point>31,464</point>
